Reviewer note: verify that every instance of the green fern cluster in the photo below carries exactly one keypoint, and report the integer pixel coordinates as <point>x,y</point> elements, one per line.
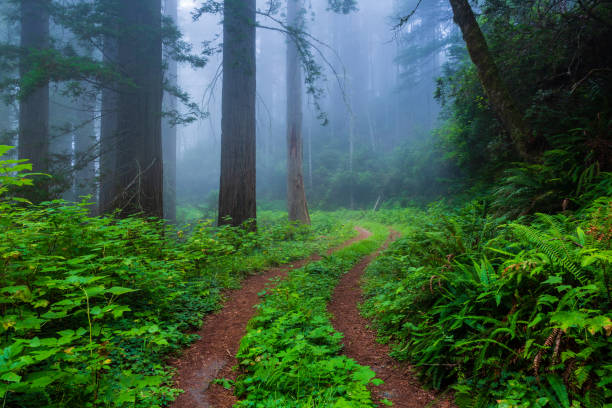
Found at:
<point>509,314</point>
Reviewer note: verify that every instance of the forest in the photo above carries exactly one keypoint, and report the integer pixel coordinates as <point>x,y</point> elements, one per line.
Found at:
<point>305,203</point>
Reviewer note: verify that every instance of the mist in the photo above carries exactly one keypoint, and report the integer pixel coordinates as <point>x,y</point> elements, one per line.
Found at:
<point>373,103</point>
<point>305,203</point>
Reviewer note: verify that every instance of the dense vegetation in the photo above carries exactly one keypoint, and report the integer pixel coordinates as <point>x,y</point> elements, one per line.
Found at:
<point>498,292</point>
<point>515,312</point>
<point>507,299</point>
<point>92,306</point>
<point>291,355</point>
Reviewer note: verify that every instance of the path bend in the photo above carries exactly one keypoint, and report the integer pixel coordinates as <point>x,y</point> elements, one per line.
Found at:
<point>400,386</point>
<point>213,355</point>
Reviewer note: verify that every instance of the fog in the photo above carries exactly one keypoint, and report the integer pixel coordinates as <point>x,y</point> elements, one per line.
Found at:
<point>373,99</point>
<point>367,113</point>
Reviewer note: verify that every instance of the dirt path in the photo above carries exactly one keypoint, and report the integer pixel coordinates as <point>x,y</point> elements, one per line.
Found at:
<point>213,355</point>
<point>400,386</point>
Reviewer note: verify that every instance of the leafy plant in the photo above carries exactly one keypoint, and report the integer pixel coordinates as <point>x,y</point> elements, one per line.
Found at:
<point>291,355</point>
<point>90,307</point>
<point>514,313</point>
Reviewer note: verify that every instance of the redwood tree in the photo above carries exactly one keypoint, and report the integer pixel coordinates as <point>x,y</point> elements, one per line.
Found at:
<point>108,132</point>
<point>237,185</point>
<point>85,147</point>
<point>494,86</point>
<point>138,186</point>
<point>296,196</point>
<point>34,107</point>
<point>168,129</point>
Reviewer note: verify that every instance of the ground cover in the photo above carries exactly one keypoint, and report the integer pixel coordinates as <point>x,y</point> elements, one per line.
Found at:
<point>92,306</point>
<point>508,313</point>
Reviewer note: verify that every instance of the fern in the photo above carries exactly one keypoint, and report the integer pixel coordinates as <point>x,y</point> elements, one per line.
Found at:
<point>551,247</point>
<point>558,397</point>
<point>595,399</point>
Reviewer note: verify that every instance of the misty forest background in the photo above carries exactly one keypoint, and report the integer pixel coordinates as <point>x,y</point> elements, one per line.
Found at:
<point>153,153</point>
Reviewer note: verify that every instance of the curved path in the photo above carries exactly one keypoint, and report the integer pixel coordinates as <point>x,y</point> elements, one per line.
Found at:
<point>213,355</point>
<point>360,344</point>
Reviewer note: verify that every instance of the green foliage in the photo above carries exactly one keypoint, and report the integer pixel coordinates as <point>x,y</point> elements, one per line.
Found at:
<point>290,356</point>
<point>567,110</point>
<point>515,314</point>
<point>11,172</point>
<point>90,307</point>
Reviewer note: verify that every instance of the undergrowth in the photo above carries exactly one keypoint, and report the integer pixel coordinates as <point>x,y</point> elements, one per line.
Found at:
<point>291,355</point>
<point>90,307</point>
<point>510,314</point>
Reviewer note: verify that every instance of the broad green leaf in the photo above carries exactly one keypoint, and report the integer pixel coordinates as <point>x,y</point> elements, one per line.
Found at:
<point>10,377</point>
<point>117,290</point>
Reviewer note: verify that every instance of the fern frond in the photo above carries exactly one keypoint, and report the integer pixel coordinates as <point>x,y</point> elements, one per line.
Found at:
<point>554,248</point>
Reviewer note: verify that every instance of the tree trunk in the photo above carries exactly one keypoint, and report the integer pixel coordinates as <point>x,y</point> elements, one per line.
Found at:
<point>496,90</point>
<point>61,123</point>
<point>6,122</point>
<point>310,155</point>
<point>85,149</point>
<point>34,108</point>
<point>108,133</point>
<point>237,197</point>
<point>296,196</point>
<point>351,154</point>
<point>169,130</point>
<point>139,164</point>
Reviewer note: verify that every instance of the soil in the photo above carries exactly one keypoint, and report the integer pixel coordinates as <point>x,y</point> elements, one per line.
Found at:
<point>360,344</point>
<point>213,355</point>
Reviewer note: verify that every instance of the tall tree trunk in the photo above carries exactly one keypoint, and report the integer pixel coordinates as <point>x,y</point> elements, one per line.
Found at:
<point>61,122</point>
<point>296,196</point>
<point>310,155</point>
<point>85,148</point>
<point>351,155</point>
<point>139,164</point>
<point>108,133</point>
<point>34,108</point>
<point>169,130</point>
<point>237,197</point>
<point>494,86</point>
<point>6,122</point>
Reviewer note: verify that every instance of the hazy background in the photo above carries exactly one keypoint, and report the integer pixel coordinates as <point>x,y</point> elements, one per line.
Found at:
<point>381,98</point>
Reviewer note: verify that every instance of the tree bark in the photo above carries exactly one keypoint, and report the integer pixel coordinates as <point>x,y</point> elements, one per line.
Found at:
<point>108,133</point>
<point>85,149</point>
<point>34,107</point>
<point>495,88</point>
<point>139,164</point>
<point>351,155</point>
<point>296,196</point>
<point>237,197</point>
<point>5,128</point>
<point>61,123</point>
<point>310,155</point>
<point>6,122</point>
<point>169,130</point>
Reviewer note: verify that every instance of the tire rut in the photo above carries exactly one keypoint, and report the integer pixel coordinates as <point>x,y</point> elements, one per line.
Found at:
<point>400,386</point>
<point>213,355</point>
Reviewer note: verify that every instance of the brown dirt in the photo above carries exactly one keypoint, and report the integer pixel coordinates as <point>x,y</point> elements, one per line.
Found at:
<point>213,355</point>
<point>360,344</point>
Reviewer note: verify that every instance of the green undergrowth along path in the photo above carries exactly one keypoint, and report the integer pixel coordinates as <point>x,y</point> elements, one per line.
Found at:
<point>510,314</point>
<point>90,307</point>
<point>291,355</point>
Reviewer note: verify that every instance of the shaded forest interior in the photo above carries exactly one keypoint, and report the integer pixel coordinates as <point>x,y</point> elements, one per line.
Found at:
<point>154,153</point>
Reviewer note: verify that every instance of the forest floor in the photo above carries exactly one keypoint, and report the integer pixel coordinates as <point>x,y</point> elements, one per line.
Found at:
<point>213,355</point>
<point>400,387</point>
